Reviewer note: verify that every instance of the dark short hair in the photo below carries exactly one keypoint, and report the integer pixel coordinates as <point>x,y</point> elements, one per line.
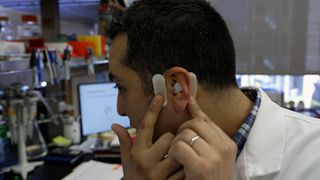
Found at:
<point>185,33</point>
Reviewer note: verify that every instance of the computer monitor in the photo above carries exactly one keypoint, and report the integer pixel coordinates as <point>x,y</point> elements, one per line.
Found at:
<point>98,108</point>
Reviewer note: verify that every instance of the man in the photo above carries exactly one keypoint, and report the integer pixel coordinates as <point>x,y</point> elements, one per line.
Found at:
<point>224,132</point>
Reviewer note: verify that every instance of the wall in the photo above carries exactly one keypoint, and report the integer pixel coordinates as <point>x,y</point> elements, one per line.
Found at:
<point>274,37</point>
<point>70,27</point>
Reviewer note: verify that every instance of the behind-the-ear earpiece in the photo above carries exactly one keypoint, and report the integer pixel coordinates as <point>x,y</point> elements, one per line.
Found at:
<point>193,84</point>
<point>159,86</point>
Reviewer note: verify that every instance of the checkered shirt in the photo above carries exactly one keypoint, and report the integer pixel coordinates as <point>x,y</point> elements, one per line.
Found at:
<point>240,137</point>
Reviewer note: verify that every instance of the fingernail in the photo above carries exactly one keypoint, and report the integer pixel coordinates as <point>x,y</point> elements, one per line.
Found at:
<point>157,100</point>
<point>192,100</point>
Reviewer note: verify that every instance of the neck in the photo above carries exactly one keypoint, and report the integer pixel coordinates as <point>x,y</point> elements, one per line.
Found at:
<point>227,110</point>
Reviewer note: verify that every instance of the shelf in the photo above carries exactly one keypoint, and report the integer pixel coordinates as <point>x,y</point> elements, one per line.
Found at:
<point>19,71</point>
<point>76,63</point>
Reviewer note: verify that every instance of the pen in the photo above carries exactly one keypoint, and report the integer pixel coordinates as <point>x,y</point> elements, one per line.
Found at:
<point>47,64</point>
<point>66,59</point>
<point>33,66</point>
<point>38,64</point>
<point>90,61</point>
<point>52,57</point>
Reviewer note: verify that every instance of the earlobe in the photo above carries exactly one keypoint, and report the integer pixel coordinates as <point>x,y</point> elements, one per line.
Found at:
<point>180,105</point>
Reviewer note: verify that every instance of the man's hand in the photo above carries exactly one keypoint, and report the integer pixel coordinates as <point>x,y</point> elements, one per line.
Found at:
<point>145,160</point>
<point>211,156</point>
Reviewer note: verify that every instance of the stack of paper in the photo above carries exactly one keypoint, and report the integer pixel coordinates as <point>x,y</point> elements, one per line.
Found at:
<point>96,170</point>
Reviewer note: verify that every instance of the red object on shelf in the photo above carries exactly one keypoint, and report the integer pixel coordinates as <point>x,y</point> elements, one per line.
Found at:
<point>103,46</point>
<point>33,43</point>
<point>26,18</point>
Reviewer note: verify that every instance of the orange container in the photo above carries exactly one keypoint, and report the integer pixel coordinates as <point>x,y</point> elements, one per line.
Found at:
<point>98,43</point>
<point>80,48</point>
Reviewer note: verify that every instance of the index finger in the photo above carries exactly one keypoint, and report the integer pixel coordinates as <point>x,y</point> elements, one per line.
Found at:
<point>197,113</point>
<point>195,110</point>
<point>146,129</point>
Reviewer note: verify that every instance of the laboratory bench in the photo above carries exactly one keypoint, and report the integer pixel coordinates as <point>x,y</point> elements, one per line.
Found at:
<point>52,170</point>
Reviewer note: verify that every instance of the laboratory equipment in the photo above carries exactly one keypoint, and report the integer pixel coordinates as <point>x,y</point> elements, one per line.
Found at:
<point>6,31</point>
<point>20,107</point>
<point>29,28</point>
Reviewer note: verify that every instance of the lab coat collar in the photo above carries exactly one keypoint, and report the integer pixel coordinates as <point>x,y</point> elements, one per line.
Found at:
<point>262,155</point>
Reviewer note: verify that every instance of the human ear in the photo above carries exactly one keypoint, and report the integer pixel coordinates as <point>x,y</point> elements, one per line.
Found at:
<point>183,84</point>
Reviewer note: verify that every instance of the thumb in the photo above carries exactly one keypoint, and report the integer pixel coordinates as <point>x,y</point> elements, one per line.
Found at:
<point>124,139</point>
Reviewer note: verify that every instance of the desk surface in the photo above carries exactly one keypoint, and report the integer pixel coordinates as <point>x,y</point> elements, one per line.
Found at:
<point>50,171</point>
<point>56,171</point>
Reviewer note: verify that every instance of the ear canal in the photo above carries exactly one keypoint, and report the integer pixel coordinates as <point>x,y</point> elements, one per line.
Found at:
<point>193,84</point>
<point>159,86</point>
<point>177,88</point>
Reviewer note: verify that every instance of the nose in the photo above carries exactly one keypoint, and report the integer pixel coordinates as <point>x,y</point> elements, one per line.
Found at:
<point>120,106</point>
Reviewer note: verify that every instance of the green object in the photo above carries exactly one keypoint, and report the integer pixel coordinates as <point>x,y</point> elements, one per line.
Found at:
<point>62,141</point>
<point>16,177</point>
<point>3,130</point>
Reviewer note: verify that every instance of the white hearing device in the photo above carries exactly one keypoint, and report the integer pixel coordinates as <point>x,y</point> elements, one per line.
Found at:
<point>177,88</point>
<point>159,86</point>
<point>193,84</point>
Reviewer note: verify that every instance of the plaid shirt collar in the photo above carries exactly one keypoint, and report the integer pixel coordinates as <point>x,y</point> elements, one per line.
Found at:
<point>241,135</point>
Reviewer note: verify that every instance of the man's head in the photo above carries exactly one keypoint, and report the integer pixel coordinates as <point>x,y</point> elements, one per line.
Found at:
<point>184,33</point>
<point>170,37</point>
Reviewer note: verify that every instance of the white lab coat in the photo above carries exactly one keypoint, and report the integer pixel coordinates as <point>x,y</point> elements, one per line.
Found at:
<point>282,145</point>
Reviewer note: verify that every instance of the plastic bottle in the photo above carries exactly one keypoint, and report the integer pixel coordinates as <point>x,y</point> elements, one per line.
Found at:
<point>6,31</point>
<point>29,27</point>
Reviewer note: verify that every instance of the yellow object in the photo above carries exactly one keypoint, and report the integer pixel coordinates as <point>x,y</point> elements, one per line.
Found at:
<point>61,141</point>
<point>95,39</point>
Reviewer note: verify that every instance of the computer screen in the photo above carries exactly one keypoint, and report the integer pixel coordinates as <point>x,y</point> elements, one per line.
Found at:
<point>98,108</point>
